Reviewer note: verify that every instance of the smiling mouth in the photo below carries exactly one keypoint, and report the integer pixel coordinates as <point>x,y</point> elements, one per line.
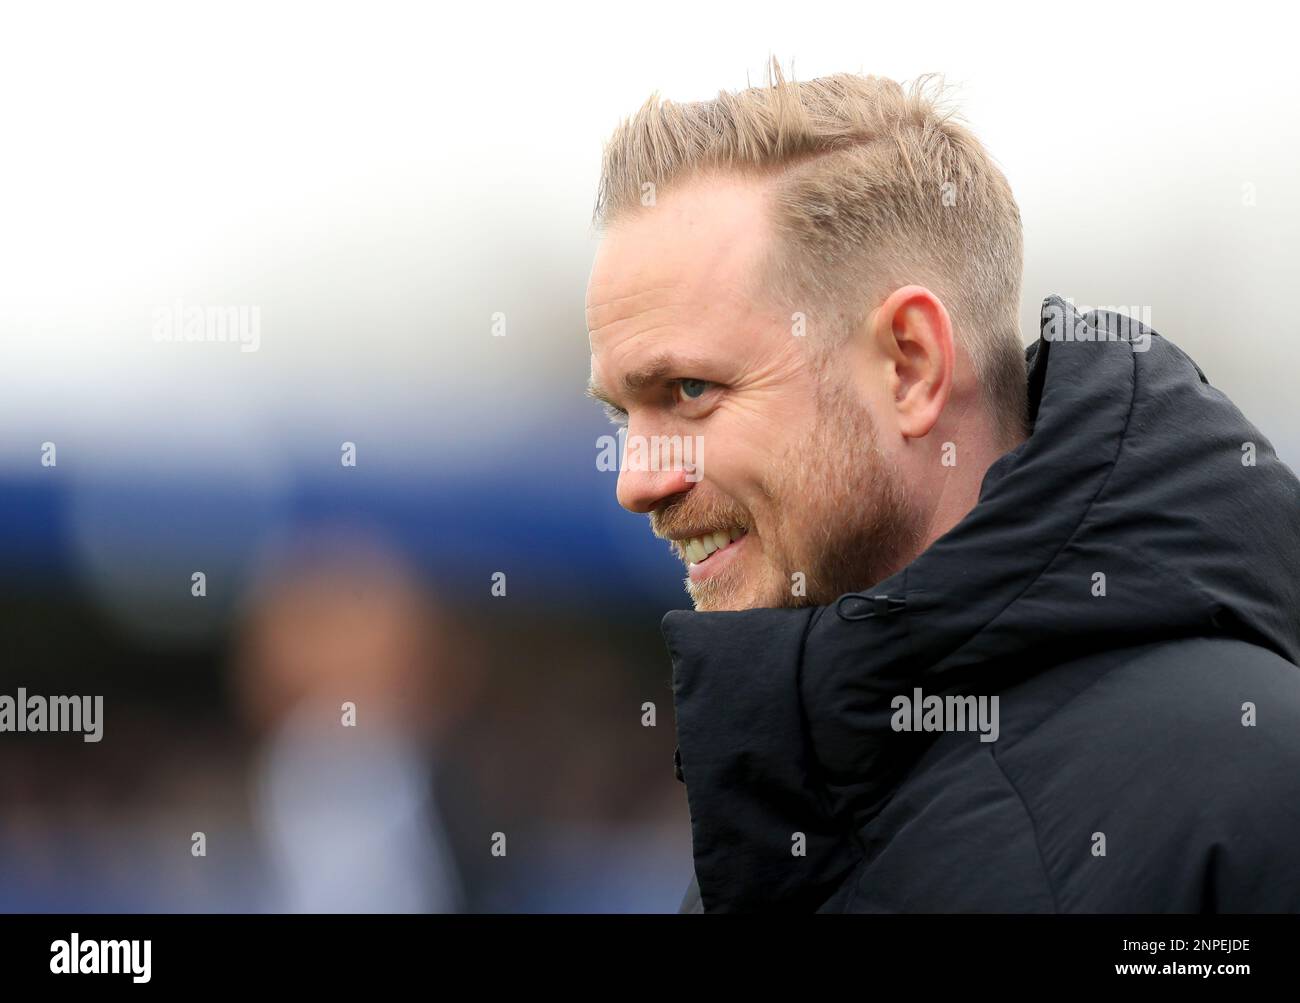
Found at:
<point>698,549</point>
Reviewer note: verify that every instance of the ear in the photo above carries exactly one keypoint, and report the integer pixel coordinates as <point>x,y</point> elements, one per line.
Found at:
<point>912,331</point>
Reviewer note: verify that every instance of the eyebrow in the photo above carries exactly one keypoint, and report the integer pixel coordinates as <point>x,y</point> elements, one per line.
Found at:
<point>653,372</point>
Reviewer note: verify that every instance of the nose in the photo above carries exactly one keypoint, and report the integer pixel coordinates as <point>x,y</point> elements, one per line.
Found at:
<point>644,490</point>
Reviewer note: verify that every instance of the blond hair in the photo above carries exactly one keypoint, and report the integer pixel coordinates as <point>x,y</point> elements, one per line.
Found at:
<point>873,186</point>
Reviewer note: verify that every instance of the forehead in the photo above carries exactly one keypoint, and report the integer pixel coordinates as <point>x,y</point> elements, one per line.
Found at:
<point>694,256</point>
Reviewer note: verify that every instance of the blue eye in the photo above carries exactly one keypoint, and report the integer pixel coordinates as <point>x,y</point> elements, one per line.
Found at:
<point>693,389</point>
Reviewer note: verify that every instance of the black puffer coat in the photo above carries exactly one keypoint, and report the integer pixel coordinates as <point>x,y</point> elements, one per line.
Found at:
<point>1147,756</point>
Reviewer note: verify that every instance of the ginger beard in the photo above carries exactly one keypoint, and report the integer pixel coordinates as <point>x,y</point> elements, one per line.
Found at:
<point>834,508</point>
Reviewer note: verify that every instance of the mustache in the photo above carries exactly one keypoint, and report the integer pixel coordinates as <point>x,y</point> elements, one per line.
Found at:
<point>688,514</point>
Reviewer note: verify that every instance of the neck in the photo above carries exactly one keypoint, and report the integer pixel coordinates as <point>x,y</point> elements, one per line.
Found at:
<point>957,489</point>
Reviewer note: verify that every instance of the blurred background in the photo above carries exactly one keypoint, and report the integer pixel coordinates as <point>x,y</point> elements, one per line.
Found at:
<point>389,205</point>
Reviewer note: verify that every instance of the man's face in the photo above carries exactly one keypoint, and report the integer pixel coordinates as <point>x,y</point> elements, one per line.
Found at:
<point>790,502</point>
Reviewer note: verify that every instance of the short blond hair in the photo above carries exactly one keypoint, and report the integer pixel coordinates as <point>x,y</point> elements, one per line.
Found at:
<point>873,186</point>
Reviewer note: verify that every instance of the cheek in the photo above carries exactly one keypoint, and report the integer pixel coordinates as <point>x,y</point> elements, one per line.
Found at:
<point>736,471</point>
<point>753,455</point>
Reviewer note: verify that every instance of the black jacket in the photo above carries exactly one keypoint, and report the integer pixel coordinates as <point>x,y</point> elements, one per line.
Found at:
<point>1148,753</point>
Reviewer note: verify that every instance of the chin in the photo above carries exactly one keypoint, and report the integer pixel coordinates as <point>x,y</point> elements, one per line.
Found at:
<point>705,602</point>
<point>707,607</point>
<point>721,600</point>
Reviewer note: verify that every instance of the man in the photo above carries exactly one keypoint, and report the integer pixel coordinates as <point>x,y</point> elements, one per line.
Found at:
<point>976,629</point>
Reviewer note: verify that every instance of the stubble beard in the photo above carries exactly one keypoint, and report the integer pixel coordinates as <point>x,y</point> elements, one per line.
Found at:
<point>838,513</point>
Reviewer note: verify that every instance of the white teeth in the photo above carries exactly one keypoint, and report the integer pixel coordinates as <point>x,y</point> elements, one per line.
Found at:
<point>699,548</point>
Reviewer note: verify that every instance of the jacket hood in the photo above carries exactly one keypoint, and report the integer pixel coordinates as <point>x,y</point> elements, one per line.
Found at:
<point>1142,507</point>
